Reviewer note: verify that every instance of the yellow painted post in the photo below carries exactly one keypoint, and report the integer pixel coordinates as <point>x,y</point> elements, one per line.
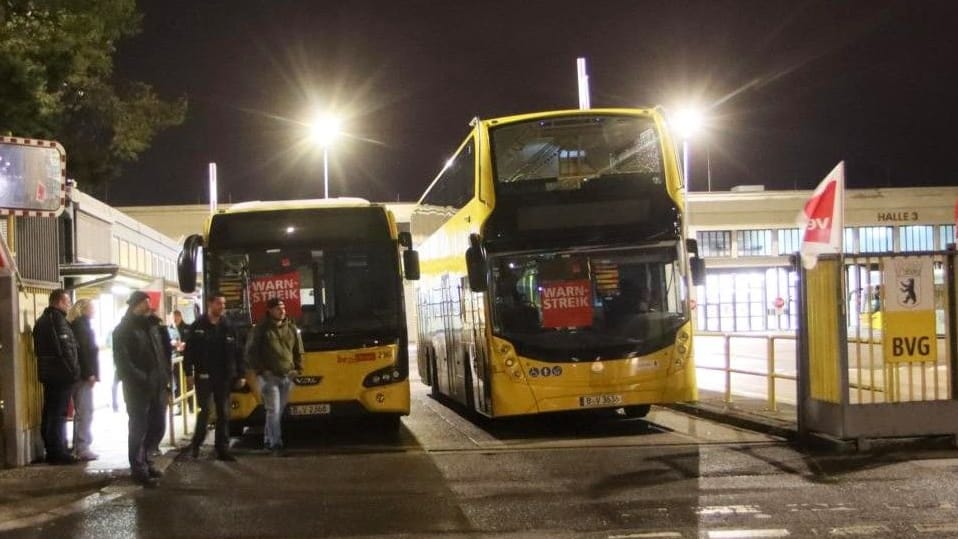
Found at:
<point>770,368</point>
<point>728,368</point>
<point>823,337</point>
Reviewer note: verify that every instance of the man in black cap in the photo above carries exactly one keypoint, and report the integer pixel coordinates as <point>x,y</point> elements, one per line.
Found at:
<point>274,351</point>
<point>144,369</point>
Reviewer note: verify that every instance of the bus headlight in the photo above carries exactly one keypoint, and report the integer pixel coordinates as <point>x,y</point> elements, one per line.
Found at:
<point>387,375</point>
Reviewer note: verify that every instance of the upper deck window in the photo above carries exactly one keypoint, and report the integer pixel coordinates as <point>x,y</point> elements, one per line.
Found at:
<point>564,153</point>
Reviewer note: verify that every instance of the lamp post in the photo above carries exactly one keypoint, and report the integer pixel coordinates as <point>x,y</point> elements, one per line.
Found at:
<point>323,131</point>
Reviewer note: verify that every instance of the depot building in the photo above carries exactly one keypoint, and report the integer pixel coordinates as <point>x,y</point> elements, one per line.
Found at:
<point>746,236</point>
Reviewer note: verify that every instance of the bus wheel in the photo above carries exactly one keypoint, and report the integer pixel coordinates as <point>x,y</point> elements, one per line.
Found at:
<point>433,374</point>
<point>640,410</point>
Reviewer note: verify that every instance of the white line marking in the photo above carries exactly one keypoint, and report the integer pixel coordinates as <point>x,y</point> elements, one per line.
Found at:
<point>649,535</point>
<point>728,510</point>
<point>942,527</point>
<point>745,534</point>
<point>860,529</point>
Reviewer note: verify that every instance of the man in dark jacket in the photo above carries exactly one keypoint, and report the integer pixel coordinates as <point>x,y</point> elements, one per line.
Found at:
<point>58,369</point>
<point>155,438</point>
<point>212,358</point>
<point>144,368</point>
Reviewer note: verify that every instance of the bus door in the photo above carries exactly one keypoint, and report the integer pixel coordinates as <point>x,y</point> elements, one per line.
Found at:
<point>452,330</point>
<point>474,344</point>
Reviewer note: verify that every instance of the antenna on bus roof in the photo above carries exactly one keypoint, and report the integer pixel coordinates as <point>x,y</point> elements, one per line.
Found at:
<point>583,84</point>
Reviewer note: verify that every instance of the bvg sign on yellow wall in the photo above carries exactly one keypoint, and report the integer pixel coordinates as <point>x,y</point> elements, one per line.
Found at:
<point>909,310</point>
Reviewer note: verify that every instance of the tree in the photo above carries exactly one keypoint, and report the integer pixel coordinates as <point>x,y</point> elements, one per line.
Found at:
<point>56,82</point>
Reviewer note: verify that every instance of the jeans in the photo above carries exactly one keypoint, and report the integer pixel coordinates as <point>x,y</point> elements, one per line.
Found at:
<point>146,408</point>
<point>219,390</point>
<point>82,417</point>
<point>53,424</point>
<point>275,395</point>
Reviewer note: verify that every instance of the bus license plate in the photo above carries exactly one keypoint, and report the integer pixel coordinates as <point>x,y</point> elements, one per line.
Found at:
<point>589,401</point>
<point>309,409</point>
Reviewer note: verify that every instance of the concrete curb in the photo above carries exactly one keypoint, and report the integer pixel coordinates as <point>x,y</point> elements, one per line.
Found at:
<point>739,418</point>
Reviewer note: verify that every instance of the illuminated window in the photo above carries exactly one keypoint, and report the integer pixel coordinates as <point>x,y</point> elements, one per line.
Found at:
<point>875,239</point>
<point>947,236</point>
<point>753,242</point>
<point>917,238</point>
<point>848,239</point>
<point>789,241</point>
<point>124,254</point>
<point>714,243</point>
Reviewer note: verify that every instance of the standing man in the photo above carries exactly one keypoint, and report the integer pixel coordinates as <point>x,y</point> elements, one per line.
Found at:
<point>275,353</point>
<point>59,370</point>
<point>153,450</point>
<point>213,360</point>
<point>144,369</point>
<point>88,354</point>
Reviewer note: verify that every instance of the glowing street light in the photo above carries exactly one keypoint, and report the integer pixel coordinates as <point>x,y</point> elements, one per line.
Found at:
<point>323,131</point>
<point>689,121</point>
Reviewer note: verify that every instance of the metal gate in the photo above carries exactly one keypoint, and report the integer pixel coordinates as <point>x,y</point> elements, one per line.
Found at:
<point>862,374</point>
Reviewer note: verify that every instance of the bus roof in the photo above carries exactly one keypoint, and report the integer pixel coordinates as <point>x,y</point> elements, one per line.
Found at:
<point>570,112</point>
<point>302,204</point>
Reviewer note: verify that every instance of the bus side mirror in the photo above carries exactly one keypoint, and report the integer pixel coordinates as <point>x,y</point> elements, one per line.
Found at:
<point>410,264</point>
<point>697,265</point>
<point>405,240</point>
<point>692,246</point>
<point>186,263</point>
<point>476,265</point>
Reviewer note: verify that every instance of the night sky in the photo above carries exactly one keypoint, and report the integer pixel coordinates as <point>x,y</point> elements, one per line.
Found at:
<point>791,88</point>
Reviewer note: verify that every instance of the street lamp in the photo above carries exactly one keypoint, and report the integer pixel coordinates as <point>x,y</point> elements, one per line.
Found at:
<point>323,131</point>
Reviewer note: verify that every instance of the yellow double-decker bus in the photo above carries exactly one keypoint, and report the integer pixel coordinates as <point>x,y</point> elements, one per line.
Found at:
<point>336,265</point>
<point>555,271</point>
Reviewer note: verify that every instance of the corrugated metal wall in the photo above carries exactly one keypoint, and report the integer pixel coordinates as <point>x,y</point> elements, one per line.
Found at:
<point>37,248</point>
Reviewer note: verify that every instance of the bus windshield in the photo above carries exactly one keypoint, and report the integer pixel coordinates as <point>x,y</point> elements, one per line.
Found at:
<point>589,305</point>
<point>566,153</point>
<point>329,291</point>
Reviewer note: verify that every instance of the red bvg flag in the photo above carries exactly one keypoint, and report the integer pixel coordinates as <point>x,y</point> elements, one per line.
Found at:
<point>823,219</point>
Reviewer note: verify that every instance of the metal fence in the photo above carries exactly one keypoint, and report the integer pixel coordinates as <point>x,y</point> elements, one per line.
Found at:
<point>856,380</point>
<point>183,402</point>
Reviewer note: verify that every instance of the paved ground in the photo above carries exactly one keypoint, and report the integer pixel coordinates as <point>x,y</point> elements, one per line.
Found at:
<point>40,493</point>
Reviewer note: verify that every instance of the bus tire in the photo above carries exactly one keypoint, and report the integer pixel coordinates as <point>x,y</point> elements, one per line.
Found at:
<point>637,411</point>
<point>433,373</point>
<point>467,380</point>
